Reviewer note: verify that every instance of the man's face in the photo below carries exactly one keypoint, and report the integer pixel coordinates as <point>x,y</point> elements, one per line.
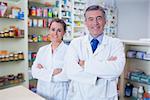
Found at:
<point>95,22</point>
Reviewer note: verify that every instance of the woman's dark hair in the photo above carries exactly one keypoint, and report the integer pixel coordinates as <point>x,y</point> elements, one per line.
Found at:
<point>58,21</point>
<point>95,7</point>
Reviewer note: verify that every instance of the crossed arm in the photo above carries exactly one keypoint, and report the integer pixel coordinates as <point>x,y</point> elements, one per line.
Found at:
<point>55,72</point>
<point>82,62</point>
<point>88,71</point>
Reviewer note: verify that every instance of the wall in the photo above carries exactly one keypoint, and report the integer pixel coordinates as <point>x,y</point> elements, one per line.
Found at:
<point>132,19</point>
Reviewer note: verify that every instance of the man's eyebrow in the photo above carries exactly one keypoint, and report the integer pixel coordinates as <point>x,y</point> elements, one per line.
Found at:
<point>90,17</point>
<point>99,16</point>
<point>94,17</point>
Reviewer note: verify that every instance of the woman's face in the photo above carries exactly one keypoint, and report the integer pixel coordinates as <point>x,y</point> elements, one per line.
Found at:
<point>56,32</point>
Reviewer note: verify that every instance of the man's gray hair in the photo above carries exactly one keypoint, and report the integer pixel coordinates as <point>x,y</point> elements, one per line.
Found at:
<point>95,7</point>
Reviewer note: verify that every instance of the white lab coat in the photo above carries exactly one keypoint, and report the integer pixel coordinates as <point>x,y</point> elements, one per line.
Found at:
<point>98,79</point>
<point>52,88</point>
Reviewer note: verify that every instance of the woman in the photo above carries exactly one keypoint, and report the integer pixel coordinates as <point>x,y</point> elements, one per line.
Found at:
<point>48,65</point>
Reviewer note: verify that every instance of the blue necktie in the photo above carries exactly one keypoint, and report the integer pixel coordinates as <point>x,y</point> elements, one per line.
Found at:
<point>94,44</point>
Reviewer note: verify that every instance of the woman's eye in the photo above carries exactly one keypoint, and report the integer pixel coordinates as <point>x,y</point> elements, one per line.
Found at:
<point>53,29</point>
<point>59,30</point>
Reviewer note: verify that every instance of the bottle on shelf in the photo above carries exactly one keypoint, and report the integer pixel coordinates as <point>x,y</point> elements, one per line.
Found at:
<point>140,93</point>
<point>128,89</point>
<point>147,94</point>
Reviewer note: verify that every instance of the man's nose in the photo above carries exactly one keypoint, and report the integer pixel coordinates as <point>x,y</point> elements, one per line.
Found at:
<point>95,21</point>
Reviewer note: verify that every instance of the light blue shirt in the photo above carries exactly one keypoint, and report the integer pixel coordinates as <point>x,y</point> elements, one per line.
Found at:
<point>99,38</point>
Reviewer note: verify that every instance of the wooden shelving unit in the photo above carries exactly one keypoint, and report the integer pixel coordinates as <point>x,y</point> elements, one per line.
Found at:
<point>15,44</point>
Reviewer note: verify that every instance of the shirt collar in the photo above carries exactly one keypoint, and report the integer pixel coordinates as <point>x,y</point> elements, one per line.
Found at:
<point>99,38</point>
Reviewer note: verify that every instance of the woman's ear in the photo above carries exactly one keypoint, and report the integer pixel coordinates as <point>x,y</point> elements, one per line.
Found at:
<point>49,36</point>
<point>84,23</point>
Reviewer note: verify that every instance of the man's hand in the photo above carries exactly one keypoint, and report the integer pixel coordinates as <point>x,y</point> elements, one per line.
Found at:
<point>81,63</point>
<point>39,66</point>
<point>113,58</point>
<point>56,71</point>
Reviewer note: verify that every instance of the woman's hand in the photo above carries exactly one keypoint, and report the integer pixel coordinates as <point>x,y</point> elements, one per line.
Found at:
<point>112,58</point>
<point>39,66</point>
<point>57,71</point>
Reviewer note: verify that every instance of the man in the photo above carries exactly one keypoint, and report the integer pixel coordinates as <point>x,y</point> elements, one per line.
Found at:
<point>95,61</point>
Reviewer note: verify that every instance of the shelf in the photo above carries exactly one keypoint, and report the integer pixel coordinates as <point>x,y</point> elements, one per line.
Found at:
<point>15,19</point>
<point>38,27</point>
<point>11,85</point>
<point>130,98</point>
<point>77,1</point>
<point>68,24</point>
<point>78,14</point>
<point>79,27</point>
<point>137,81</point>
<point>136,42</point>
<point>78,21</point>
<point>11,61</point>
<point>40,17</point>
<point>137,59</point>
<point>39,4</point>
<point>81,9</point>
<point>69,17</point>
<point>11,37</point>
<point>40,42</point>
<point>14,1</point>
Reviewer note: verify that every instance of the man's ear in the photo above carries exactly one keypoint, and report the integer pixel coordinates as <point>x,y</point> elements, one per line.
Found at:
<point>85,23</point>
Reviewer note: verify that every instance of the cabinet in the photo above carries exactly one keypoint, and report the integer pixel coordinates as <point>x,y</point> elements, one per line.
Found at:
<point>138,59</point>
<point>13,39</point>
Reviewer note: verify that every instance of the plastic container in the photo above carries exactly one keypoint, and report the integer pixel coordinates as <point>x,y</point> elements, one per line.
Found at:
<point>147,94</point>
<point>128,90</point>
<point>140,93</point>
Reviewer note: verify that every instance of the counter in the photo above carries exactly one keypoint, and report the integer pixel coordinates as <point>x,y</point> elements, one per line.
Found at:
<point>18,93</point>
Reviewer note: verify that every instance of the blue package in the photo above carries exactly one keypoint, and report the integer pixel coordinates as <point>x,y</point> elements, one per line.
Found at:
<point>131,54</point>
<point>140,54</point>
<point>144,79</point>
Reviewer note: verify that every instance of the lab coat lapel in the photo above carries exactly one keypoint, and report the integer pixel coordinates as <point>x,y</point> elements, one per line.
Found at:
<point>87,48</point>
<point>49,57</point>
<point>101,46</point>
